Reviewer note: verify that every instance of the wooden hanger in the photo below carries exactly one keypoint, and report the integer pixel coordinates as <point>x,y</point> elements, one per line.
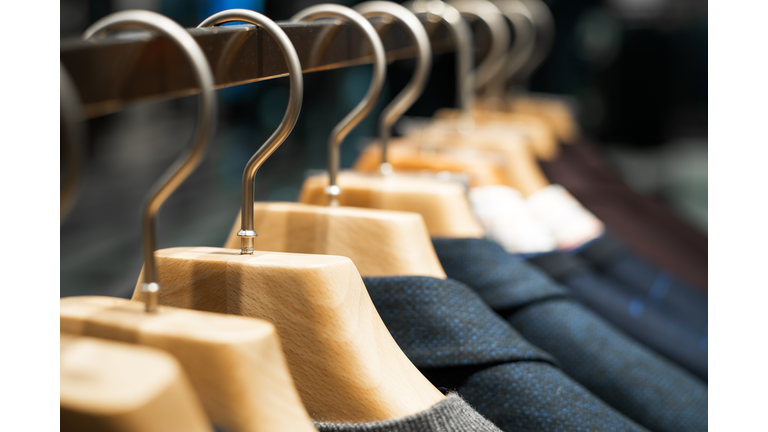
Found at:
<point>115,387</point>
<point>507,160</point>
<point>345,364</point>
<point>407,154</point>
<point>443,205</point>
<point>234,363</point>
<point>519,158</point>
<point>379,243</point>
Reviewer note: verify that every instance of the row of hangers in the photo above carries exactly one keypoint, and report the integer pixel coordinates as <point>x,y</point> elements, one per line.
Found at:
<point>272,332</point>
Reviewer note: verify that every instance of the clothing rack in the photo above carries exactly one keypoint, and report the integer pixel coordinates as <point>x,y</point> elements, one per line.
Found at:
<point>112,72</point>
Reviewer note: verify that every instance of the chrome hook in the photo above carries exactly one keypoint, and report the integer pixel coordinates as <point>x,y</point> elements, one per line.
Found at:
<point>190,159</point>
<point>415,86</point>
<point>295,97</point>
<point>462,40</point>
<point>544,31</point>
<point>71,116</point>
<point>364,107</point>
<point>494,19</point>
<point>522,48</point>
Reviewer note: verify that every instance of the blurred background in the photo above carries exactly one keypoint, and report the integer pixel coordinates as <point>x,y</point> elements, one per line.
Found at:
<point>636,71</point>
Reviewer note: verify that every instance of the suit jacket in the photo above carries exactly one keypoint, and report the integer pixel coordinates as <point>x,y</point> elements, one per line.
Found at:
<point>458,342</point>
<point>646,387</point>
<point>643,223</point>
<point>615,262</point>
<point>645,319</point>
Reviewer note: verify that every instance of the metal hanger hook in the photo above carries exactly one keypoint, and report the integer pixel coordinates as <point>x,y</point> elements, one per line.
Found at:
<point>462,40</point>
<point>73,137</point>
<point>415,86</point>
<point>206,122</point>
<point>295,97</point>
<point>492,17</point>
<point>364,107</point>
<point>544,38</point>
<point>523,45</point>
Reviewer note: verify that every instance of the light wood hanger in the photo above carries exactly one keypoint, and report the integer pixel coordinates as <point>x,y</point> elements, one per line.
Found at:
<point>234,363</point>
<point>443,205</point>
<point>519,158</point>
<point>115,387</point>
<point>507,160</point>
<point>379,243</point>
<point>407,154</point>
<point>345,364</point>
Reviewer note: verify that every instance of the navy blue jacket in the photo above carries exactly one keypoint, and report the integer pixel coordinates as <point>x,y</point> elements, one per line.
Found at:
<point>652,321</point>
<point>646,283</point>
<point>633,379</point>
<point>459,343</point>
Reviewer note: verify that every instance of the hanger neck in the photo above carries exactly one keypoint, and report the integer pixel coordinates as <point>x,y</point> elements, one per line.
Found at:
<point>379,243</point>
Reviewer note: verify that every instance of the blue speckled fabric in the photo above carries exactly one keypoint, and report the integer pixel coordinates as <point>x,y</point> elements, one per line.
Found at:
<point>459,343</point>
<point>644,282</point>
<point>633,379</point>
<point>680,340</point>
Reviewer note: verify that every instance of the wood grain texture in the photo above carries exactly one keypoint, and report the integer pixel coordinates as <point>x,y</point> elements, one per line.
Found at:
<point>537,131</point>
<point>379,242</point>
<point>520,164</point>
<point>443,205</point>
<point>235,364</point>
<point>345,364</point>
<point>418,153</point>
<point>555,113</point>
<point>116,387</point>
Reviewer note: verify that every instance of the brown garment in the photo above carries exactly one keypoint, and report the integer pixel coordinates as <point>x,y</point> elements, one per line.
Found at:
<point>642,222</point>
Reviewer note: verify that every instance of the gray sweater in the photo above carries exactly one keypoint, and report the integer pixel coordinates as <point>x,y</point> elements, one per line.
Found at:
<point>452,414</point>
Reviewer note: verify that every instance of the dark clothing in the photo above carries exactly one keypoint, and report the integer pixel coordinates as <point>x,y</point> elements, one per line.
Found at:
<point>645,320</point>
<point>630,377</point>
<point>449,415</point>
<point>644,224</point>
<point>458,342</point>
<point>647,283</point>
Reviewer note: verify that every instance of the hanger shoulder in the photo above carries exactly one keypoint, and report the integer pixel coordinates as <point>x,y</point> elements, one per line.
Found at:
<point>379,243</point>
<point>557,114</point>
<point>539,134</point>
<point>411,154</point>
<point>443,205</point>
<point>110,386</point>
<point>344,362</point>
<point>235,364</point>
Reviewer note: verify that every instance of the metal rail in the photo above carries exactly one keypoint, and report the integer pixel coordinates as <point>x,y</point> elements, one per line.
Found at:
<point>139,67</point>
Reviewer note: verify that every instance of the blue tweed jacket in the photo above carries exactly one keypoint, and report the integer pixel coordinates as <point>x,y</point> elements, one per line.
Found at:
<point>636,381</point>
<point>458,342</point>
<point>647,285</point>
<point>658,316</point>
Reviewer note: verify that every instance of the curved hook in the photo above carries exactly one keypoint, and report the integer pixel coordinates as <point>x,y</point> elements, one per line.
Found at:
<point>73,137</point>
<point>524,42</point>
<point>415,86</point>
<point>462,40</point>
<point>364,107</point>
<point>544,30</point>
<point>190,159</point>
<point>494,19</point>
<point>290,117</point>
